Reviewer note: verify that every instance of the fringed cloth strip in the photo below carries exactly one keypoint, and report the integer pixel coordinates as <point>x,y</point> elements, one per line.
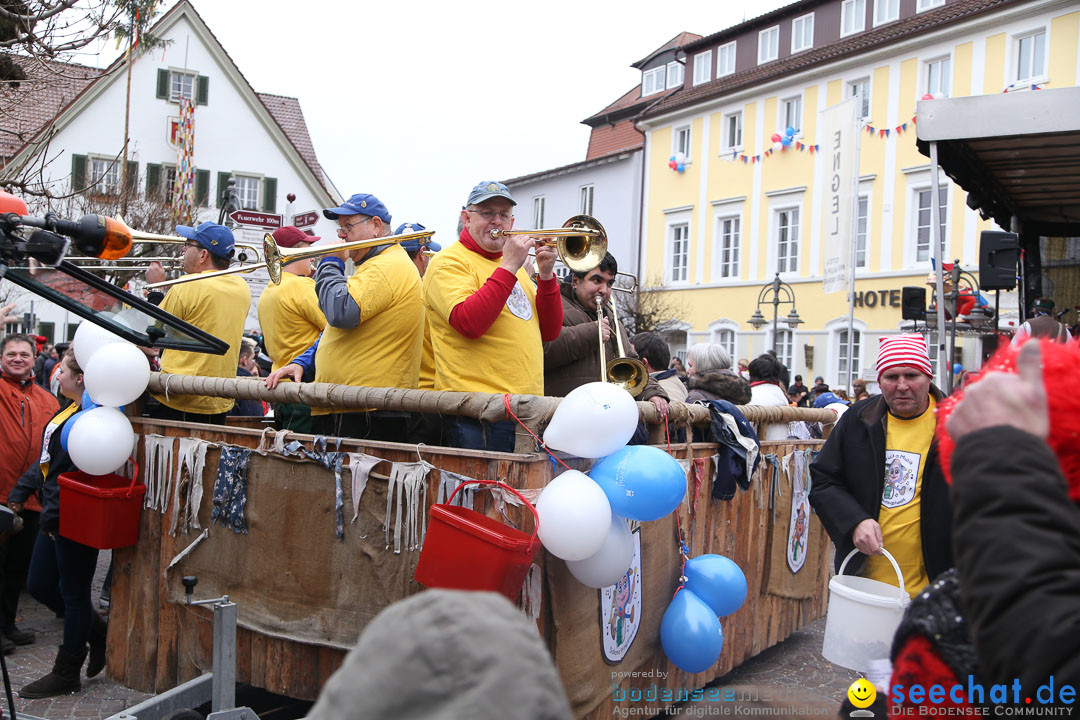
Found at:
<point>187,488</point>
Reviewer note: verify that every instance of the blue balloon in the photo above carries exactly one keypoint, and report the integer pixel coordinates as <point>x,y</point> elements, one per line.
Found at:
<point>641,482</point>
<point>718,581</point>
<point>87,403</point>
<point>66,430</point>
<point>957,368</point>
<point>790,131</point>
<point>680,167</point>
<point>690,633</point>
<point>671,159</point>
<point>786,140</point>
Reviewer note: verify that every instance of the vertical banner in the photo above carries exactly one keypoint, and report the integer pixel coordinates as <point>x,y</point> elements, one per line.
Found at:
<point>839,129</point>
<point>183,191</point>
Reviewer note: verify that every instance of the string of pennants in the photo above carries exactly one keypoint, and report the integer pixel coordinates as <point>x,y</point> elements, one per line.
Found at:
<point>812,148</point>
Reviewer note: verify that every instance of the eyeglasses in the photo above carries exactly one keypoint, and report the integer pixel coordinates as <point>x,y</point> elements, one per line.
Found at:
<point>349,226</point>
<point>193,244</point>
<point>489,215</point>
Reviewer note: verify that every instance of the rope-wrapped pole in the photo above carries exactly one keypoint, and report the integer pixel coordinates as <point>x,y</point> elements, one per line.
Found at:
<point>534,411</point>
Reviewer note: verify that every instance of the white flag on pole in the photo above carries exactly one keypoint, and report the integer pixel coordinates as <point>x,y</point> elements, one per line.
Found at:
<point>839,127</point>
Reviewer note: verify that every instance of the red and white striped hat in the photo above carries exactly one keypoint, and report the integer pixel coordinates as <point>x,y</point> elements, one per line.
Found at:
<point>904,351</point>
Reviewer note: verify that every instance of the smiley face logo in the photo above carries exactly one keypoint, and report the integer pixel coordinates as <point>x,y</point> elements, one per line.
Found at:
<point>862,693</point>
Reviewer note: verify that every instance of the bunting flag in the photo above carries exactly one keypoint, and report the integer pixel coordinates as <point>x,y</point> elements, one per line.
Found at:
<point>183,195</point>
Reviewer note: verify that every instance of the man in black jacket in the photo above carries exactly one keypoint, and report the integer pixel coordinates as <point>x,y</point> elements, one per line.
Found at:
<point>877,481</point>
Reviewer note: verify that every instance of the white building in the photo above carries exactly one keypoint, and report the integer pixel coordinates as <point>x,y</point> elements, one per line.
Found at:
<point>75,121</point>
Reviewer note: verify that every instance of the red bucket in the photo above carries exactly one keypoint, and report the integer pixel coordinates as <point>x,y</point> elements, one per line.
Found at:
<point>465,550</point>
<point>100,511</point>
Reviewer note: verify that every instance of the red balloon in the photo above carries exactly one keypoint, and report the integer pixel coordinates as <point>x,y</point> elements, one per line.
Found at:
<point>776,137</point>
<point>672,164</point>
<point>927,96</point>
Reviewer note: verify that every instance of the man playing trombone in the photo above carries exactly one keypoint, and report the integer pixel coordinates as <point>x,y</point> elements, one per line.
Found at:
<point>576,357</point>
<point>374,321</point>
<point>487,318</point>
<point>219,305</point>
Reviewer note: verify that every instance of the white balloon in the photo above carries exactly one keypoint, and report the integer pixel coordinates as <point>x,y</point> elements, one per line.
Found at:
<point>101,442</point>
<point>612,560</point>
<point>117,374</point>
<point>575,516</point>
<point>593,420</point>
<point>88,339</point>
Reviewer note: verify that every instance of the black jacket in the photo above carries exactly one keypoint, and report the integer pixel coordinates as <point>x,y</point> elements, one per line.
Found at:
<point>47,488</point>
<point>719,385</point>
<point>848,478</point>
<point>1017,536</point>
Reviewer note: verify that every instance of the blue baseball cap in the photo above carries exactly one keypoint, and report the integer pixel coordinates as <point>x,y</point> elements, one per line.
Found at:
<point>489,189</point>
<point>359,204</point>
<point>828,398</point>
<point>217,239</point>
<point>415,244</point>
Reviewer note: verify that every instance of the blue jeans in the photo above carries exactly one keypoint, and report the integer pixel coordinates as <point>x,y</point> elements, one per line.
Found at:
<point>470,434</point>
<point>61,571</point>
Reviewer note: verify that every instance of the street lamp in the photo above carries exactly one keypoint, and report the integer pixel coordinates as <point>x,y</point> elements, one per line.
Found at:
<point>777,293</point>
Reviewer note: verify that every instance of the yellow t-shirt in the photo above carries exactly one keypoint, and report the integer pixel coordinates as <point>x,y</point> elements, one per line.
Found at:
<point>218,306</point>
<point>907,445</point>
<point>427,361</point>
<point>509,357</point>
<point>384,349</point>
<point>290,318</point>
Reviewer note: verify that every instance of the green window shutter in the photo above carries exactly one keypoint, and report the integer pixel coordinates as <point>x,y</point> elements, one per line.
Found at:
<point>78,173</point>
<point>222,186</point>
<point>132,179</point>
<point>269,195</point>
<point>162,84</point>
<point>153,179</point>
<point>202,90</point>
<point>202,188</point>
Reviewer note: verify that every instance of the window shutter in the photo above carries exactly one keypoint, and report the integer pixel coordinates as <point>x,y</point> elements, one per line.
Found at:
<point>222,186</point>
<point>78,173</point>
<point>202,188</point>
<point>202,90</point>
<point>132,178</point>
<point>153,179</point>
<point>269,195</point>
<point>162,84</point>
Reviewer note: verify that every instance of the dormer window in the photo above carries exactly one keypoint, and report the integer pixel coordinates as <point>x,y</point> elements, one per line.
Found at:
<point>652,81</point>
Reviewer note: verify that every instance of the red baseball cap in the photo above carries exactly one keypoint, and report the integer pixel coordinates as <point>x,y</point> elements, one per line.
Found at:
<point>289,236</point>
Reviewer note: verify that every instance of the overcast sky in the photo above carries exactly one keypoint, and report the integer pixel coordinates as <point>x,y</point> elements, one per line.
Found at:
<point>416,102</point>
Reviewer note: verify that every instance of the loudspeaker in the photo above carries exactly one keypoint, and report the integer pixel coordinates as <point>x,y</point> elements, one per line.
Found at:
<point>998,255</point>
<point>913,303</point>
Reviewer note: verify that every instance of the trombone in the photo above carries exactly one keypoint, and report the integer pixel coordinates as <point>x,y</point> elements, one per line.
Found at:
<point>138,237</point>
<point>275,257</point>
<point>626,372</point>
<point>581,249</point>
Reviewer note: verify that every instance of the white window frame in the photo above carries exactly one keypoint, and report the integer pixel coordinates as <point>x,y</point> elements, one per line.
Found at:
<point>652,81</point>
<point>677,146</point>
<point>725,53</point>
<point>916,186</point>
<point>174,93</point>
<point>856,11</point>
<point>104,175</point>
<point>678,246</point>
<point>725,333</point>
<point>783,121</point>
<point>703,67</point>
<point>836,329</point>
<point>166,187</point>
<point>790,260</point>
<point>243,179</point>
<point>675,74</point>
<point>768,45</point>
<point>587,195</point>
<point>785,344</point>
<point>886,11</point>
<point>731,140</point>
<point>1033,77</point>
<point>862,228</point>
<point>539,201</point>
<point>799,41</point>
<point>941,67</point>
<point>676,218</point>
<point>728,269</point>
<point>865,98</point>
<point>924,5</point>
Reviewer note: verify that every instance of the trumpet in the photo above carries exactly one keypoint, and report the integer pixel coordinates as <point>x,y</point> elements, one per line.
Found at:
<point>581,249</point>
<point>137,264</point>
<point>626,372</point>
<point>274,257</point>
<point>244,252</point>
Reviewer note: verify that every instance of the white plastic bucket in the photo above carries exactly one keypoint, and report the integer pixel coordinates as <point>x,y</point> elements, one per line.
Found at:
<point>863,617</point>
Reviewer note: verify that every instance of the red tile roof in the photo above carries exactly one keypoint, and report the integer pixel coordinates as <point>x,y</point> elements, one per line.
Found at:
<point>852,45</point>
<point>286,111</point>
<point>683,38</point>
<point>608,139</point>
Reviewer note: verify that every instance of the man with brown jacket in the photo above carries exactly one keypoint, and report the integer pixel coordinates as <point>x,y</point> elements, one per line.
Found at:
<point>573,359</point>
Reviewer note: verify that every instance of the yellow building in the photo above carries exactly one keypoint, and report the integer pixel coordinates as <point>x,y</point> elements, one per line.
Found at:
<point>740,210</point>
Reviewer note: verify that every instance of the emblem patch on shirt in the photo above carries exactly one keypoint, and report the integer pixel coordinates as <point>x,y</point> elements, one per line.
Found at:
<point>901,474</point>
<point>518,303</point>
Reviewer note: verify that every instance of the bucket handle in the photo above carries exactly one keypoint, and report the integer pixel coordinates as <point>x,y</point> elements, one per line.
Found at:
<point>895,567</point>
<point>536,516</point>
<point>134,477</point>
